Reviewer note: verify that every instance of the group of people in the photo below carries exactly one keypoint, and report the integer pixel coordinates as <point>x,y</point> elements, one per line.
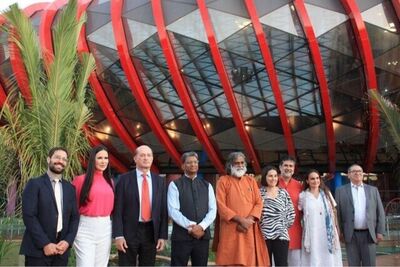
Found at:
<point>281,222</point>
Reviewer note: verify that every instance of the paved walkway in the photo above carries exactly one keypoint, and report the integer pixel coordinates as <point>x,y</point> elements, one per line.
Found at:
<point>385,260</point>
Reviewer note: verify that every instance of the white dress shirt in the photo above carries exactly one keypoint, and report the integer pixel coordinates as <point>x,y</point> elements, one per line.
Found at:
<point>177,216</point>
<point>360,206</point>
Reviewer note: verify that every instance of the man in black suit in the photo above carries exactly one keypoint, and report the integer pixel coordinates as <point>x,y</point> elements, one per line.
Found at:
<point>48,235</point>
<point>140,221</point>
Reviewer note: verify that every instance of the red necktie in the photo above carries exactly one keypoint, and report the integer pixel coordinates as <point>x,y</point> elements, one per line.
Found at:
<point>146,207</point>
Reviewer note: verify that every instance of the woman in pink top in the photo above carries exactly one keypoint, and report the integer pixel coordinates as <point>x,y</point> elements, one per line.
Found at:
<point>95,195</point>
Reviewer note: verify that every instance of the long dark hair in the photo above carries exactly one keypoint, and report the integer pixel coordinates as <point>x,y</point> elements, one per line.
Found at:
<point>321,185</point>
<point>264,173</point>
<point>91,168</point>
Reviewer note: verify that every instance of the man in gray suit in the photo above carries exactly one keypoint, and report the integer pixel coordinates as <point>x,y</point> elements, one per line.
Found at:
<point>361,218</point>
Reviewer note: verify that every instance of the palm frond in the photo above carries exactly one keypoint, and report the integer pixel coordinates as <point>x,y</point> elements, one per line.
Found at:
<point>390,114</point>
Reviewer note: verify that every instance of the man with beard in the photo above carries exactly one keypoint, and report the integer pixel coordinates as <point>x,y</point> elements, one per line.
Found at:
<point>239,207</point>
<point>293,187</point>
<point>50,214</point>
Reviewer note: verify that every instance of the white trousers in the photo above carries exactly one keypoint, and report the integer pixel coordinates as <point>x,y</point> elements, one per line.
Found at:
<point>294,257</point>
<point>93,241</point>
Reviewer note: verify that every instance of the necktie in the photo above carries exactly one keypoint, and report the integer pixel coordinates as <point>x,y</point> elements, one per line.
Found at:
<point>145,201</point>
<point>57,194</point>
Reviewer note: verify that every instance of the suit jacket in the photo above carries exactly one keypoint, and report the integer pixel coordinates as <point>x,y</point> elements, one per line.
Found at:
<point>374,211</point>
<point>127,206</point>
<point>40,215</point>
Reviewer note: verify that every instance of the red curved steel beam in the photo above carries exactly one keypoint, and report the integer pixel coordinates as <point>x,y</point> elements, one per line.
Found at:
<point>99,93</point>
<point>226,85</point>
<point>3,96</point>
<point>180,86</point>
<point>367,57</point>
<point>396,5</point>
<point>32,9</point>
<point>323,85</point>
<point>273,77</point>
<point>134,81</point>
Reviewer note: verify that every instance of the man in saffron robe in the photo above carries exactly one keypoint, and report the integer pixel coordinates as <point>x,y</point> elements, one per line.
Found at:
<point>293,187</point>
<point>239,207</point>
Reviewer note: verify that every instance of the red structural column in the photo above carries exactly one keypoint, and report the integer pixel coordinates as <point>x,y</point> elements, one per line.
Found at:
<point>323,85</point>
<point>3,96</point>
<point>226,85</point>
<point>180,86</point>
<point>273,77</point>
<point>135,84</point>
<point>396,5</point>
<point>98,91</point>
<point>367,58</point>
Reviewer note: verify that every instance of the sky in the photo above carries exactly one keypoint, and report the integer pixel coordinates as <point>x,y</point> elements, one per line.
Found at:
<point>22,3</point>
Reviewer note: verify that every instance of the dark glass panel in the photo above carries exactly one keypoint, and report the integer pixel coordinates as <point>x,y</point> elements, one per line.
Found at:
<point>390,61</point>
<point>381,40</point>
<point>341,39</point>
<point>243,43</point>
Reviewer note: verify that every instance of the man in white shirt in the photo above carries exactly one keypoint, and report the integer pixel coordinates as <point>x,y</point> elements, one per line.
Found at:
<point>192,207</point>
<point>361,218</point>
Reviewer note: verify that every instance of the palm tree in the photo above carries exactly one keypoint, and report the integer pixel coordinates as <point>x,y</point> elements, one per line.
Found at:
<point>391,116</point>
<point>57,111</point>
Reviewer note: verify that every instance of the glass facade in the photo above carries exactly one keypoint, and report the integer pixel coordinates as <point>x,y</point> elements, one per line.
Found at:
<point>204,86</point>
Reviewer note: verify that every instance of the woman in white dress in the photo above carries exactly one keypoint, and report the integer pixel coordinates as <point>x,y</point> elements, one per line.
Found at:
<point>320,244</point>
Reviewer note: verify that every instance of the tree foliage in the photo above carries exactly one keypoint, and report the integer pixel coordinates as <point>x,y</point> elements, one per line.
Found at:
<point>58,110</point>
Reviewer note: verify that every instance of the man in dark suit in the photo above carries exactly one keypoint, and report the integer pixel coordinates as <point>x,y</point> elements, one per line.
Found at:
<point>49,234</point>
<point>140,221</point>
<point>361,218</point>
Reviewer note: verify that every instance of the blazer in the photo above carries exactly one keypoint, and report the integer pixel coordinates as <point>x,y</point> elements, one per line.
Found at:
<point>374,210</point>
<point>40,215</point>
<point>127,205</point>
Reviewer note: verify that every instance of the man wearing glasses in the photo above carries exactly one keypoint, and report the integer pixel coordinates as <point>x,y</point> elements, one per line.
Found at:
<point>361,218</point>
<point>50,214</point>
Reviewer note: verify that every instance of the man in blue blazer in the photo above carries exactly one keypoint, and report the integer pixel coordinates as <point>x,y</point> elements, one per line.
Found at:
<point>361,218</point>
<point>48,237</point>
<point>140,220</point>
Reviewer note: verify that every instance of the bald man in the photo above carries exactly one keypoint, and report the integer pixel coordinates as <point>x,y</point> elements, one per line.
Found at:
<point>140,220</point>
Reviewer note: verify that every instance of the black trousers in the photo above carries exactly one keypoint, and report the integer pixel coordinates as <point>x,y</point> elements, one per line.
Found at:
<point>279,249</point>
<point>142,249</point>
<point>55,260</point>
<point>195,249</point>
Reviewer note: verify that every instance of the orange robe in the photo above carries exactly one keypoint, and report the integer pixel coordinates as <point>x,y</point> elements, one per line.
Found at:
<point>294,189</point>
<point>239,197</point>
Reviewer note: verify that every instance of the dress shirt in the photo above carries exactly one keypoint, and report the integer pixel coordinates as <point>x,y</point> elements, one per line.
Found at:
<point>177,216</point>
<point>139,182</point>
<point>52,181</point>
<point>360,206</point>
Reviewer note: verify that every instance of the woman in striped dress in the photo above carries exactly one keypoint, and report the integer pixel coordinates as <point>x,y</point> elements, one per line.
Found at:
<point>277,216</point>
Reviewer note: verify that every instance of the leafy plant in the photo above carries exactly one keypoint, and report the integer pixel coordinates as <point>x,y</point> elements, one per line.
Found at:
<point>57,111</point>
<point>391,115</point>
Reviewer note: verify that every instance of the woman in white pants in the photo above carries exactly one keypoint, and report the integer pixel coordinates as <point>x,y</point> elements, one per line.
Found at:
<point>95,195</point>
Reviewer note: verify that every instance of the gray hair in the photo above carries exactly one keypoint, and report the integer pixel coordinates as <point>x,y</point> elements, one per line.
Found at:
<point>231,159</point>
<point>353,165</point>
<point>187,155</point>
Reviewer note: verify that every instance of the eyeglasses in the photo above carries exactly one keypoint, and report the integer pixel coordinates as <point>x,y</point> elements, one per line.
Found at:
<point>356,171</point>
<point>60,158</point>
<point>239,163</point>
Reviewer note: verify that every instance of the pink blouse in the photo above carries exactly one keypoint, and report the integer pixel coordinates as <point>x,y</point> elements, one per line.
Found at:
<point>100,201</point>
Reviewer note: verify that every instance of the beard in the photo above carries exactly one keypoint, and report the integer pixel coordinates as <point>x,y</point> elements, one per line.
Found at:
<point>53,168</point>
<point>238,171</point>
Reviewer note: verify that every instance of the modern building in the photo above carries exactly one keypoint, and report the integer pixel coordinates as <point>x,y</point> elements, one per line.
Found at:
<point>266,77</point>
